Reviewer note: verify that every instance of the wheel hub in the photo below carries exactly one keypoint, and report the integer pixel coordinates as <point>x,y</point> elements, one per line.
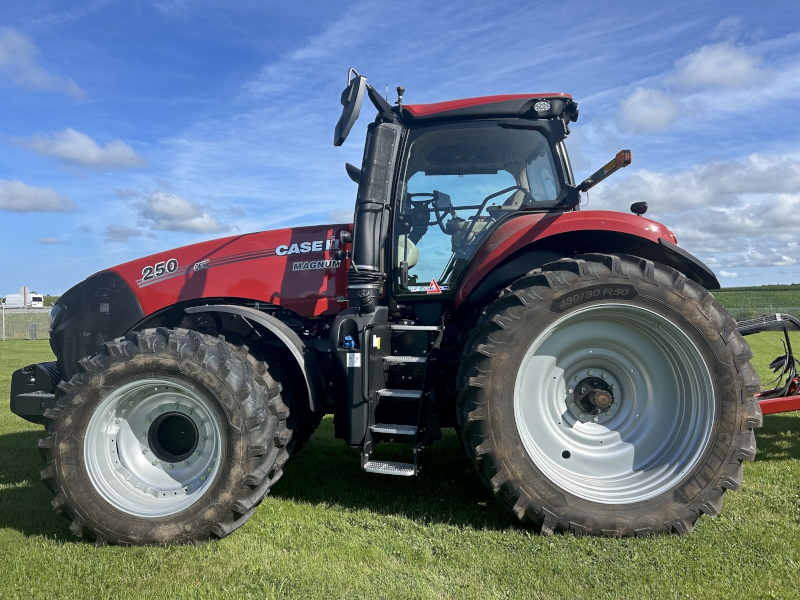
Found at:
<point>593,398</point>
<point>173,437</point>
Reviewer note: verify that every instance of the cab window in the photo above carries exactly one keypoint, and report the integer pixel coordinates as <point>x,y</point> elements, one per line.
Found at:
<point>458,182</point>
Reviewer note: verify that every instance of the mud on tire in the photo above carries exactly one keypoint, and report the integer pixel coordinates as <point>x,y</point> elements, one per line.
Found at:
<point>640,453</point>
<point>166,436</point>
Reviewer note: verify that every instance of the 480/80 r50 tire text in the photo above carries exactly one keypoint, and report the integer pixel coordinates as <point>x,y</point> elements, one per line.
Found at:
<point>167,436</point>
<point>608,395</point>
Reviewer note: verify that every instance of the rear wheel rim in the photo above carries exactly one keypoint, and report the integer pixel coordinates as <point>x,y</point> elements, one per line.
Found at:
<point>662,417</point>
<point>153,447</point>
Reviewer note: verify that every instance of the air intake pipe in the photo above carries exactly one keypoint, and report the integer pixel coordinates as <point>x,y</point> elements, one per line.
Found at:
<point>371,220</point>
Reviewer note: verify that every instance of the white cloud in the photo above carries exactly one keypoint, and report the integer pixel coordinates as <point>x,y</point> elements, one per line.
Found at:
<point>728,274</point>
<point>79,149</point>
<point>717,184</point>
<point>18,63</point>
<point>169,212</point>
<point>648,111</point>
<point>727,29</point>
<point>120,233</point>
<point>719,67</point>
<point>733,214</point>
<point>48,241</point>
<point>16,196</point>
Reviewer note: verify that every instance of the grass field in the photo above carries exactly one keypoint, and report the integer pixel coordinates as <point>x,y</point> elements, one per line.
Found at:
<point>330,531</point>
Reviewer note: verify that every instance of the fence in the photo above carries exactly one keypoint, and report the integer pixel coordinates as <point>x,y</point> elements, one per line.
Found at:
<point>25,324</point>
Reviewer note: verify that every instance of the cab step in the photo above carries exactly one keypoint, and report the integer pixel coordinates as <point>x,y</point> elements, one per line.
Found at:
<point>400,393</point>
<point>389,468</point>
<point>394,429</point>
<point>416,328</point>
<point>405,359</point>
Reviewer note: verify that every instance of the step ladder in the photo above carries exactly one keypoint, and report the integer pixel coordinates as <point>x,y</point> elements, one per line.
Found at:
<point>410,434</point>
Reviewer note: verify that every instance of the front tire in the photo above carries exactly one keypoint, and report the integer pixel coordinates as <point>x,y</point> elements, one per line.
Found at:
<point>608,395</point>
<point>166,436</point>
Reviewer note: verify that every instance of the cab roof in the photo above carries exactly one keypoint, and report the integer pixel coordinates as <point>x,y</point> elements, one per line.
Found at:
<point>512,105</point>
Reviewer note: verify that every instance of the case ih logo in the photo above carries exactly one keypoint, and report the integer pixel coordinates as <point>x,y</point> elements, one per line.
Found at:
<point>306,247</point>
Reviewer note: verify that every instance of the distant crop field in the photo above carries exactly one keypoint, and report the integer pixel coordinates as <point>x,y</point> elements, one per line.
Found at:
<point>748,304</point>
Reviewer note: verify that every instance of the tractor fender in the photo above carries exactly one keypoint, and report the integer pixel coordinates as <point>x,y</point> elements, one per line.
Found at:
<point>527,241</point>
<point>282,331</point>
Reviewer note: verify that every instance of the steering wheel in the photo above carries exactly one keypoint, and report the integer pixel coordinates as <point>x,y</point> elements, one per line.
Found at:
<point>514,188</point>
<point>424,205</point>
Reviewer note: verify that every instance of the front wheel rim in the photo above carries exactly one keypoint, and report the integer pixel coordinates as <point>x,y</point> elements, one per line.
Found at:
<point>153,447</point>
<point>662,414</point>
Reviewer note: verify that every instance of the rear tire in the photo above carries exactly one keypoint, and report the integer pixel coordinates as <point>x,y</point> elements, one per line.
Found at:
<point>165,437</point>
<point>607,395</point>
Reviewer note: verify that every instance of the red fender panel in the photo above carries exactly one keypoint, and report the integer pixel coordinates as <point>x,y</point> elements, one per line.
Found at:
<point>523,230</point>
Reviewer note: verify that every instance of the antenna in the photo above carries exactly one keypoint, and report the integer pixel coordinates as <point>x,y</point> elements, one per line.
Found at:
<point>387,92</point>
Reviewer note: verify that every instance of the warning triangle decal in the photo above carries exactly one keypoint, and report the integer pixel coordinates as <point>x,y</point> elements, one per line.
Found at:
<point>434,288</point>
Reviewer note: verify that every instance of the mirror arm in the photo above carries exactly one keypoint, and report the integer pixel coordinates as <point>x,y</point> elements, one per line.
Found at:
<point>383,107</point>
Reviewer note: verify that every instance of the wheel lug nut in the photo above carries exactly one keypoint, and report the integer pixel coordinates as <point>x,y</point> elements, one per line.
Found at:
<point>155,462</point>
<point>202,478</point>
<point>569,391</point>
<point>197,454</point>
<point>614,386</point>
<point>605,376</point>
<point>580,415</point>
<point>577,377</point>
<point>144,435</point>
<point>596,419</point>
<point>185,463</point>
<point>148,420</point>
<point>591,372</point>
<point>171,467</point>
<point>145,450</point>
<point>572,405</point>
<point>116,421</point>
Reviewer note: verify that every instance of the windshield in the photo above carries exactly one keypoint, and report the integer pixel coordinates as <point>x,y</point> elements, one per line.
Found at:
<point>458,182</point>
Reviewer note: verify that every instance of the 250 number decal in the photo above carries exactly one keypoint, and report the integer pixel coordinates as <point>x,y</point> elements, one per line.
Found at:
<point>160,269</point>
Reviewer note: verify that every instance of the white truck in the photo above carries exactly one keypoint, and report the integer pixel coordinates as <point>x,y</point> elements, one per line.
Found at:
<point>14,301</point>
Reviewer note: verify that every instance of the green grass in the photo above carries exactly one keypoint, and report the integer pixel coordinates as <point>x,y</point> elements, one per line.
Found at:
<point>330,531</point>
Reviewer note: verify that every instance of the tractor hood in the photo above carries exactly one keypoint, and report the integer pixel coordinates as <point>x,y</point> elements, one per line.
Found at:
<point>293,268</point>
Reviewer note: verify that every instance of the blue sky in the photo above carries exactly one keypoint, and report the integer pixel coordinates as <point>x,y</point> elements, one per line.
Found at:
<point>133,127</point>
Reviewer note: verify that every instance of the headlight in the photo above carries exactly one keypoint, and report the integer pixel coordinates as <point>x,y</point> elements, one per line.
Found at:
<point>56,314</point>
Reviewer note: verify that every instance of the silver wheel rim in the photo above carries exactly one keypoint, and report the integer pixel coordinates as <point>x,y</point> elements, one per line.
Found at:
<point>153,447</point>
<point>653,434</point>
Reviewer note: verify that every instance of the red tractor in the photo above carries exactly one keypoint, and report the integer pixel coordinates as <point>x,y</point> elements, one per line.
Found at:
<point>596,384</point>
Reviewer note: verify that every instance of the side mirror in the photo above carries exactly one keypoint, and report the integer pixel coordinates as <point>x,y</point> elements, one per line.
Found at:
<point>622,159</point>
<point>353,172</point>
<point>352,97</point>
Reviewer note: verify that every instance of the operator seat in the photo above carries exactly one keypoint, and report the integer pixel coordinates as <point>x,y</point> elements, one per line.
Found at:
<point>407,251</point>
